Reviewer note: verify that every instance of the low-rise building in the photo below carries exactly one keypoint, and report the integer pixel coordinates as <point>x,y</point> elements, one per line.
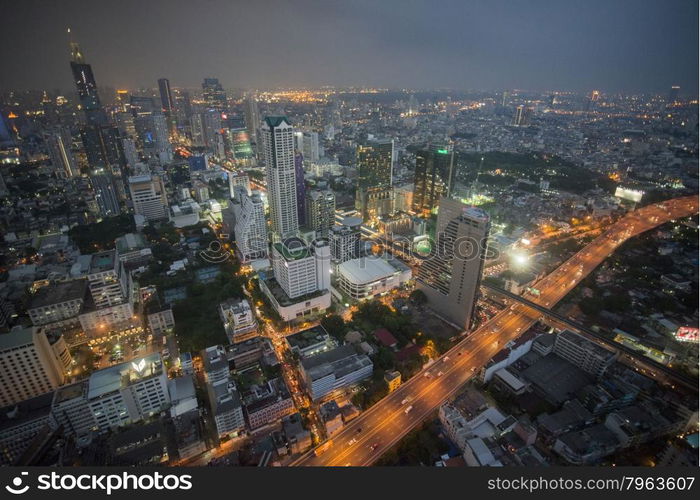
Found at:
<point>226,408</point>
<point>57,302</point>
<point>368,277</point>
<point>238,319</point>
<point>334,369</point>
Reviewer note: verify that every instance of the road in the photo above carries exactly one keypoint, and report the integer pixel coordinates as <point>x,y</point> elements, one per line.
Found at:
<point>374,432</point>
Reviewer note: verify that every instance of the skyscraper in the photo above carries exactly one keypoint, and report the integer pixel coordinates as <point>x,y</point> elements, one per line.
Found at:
<point>434,177</point>
<point>450,276</point>
<point>320,211</point>
<point>86,86</point>
<point>166,97</point>
<point>374,177</point>
<point>301,186</point>
<point>278,148</point>
<point>519,116</point>
<point>213,94</point>
<point>252,118</point>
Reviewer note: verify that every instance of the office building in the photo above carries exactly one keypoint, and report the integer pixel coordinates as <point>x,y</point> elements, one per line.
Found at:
<point>213,94</point>
<point>583,353</point>
<point>320,211</point>
<point>128,392</point>
<point>252,118</point>
<point>235,180</point>
<point>148,197</point>
<point>450,276</point>
<point>434,178</point>
<point>278,146</point>
<point>86,85</point>
<point>335,369</point>
<point>107,280</point>
<point>215,364</point>
<point>32,362</point>
<point>374,178</point>
<point>345,239</point>
<point>166,96</point>
<point>238,319</point>
<point>301,269</point>
<point>300,187</point>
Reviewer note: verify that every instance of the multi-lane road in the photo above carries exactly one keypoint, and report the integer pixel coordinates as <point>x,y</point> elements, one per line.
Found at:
<point>367,437</point>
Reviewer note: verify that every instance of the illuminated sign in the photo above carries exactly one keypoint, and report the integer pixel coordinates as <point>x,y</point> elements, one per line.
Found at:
<point>139,366</point>
<point>629,194</point>
<point>687,334</point>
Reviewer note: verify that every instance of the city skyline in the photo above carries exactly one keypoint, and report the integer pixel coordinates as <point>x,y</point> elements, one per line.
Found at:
<point>617,47</point>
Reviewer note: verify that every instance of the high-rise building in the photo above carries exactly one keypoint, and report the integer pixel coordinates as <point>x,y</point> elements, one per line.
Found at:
<point>148,196</point>
<point>250,230</point>
<point>519,116</point>
<point>252,118</point>
<point>32,362</point>
<point>374,178</point>
<point>450,276</point>
<point>237,180</point>
<point>59,146</point>
<point>278,146</point>
<point>166,96</point>
<point>345,240</point>
<point>307,144</point>
<point>320,211</point>
<point>86,85</point>
<point>213,94</point>
<point>434,177</point>
<point>300,185</point>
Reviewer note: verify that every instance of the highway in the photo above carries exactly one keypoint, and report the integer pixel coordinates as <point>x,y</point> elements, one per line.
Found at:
<point>367,437</point>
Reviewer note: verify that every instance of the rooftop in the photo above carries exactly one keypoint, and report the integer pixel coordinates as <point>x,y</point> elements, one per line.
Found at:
<point>57,293</point>
<point>122,375</point>
<point>102,261</point>
<point>25,411</point>
<point>292,249</point>
<point>366,270</point>
<point>16,337</point>
<point>305,338</point>
<point>339,361</point>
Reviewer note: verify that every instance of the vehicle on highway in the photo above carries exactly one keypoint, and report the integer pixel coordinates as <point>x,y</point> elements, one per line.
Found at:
<point>408,409</point>
<point>427,375</point>
<point>374,446</point>
<point>407,400</point>
<point>352,441</point>
<point>447,358</point>
<point>473,368</point>
<point>439,374</point>
<point>359,429</point>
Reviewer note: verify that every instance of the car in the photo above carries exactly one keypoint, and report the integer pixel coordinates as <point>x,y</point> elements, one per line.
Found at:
<point>459,353</point>
<point>359,429</point>
<point>439,374</point>
<point>408,409</point>
<point>426,374</point>
<point>447,358</point>
<point>352,441</point>
<point>473,368</point>
<point>374,446</point>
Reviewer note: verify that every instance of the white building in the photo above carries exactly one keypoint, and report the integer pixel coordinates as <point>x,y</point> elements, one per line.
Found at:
<point>294,265</point>
<point>368,277</point>
<point>128,392</point>
<point>148,196</point>
<point>239,320</point>
<point>250,229</point>
<point>185,214</point>
<point>278,147</point>
<point>32,363</point>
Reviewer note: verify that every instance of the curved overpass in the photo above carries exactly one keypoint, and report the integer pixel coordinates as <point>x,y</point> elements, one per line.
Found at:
<point>367,437</point>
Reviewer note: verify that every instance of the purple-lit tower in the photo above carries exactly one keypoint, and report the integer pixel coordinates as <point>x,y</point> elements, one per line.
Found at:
<point>301,189</point>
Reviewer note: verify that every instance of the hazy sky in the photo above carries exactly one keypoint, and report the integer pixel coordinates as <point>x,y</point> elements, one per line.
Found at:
<point>612,45</point>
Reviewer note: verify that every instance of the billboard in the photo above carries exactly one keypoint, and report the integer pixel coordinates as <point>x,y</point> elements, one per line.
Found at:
<point>629,194</point>
<point>687,334</point>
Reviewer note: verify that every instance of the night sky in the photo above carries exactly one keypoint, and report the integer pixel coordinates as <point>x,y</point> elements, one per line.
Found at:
<point>579,45</point>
